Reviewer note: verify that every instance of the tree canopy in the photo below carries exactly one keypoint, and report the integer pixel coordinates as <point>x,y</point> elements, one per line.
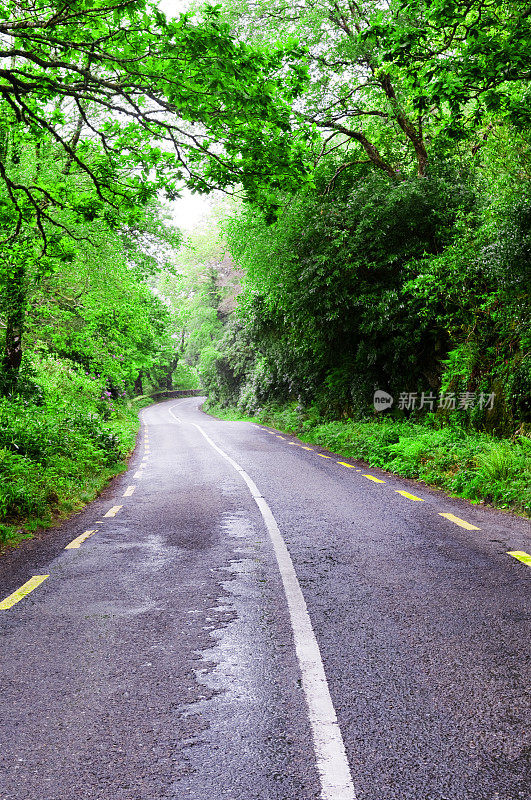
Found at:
<point>136,102</point>
<point>390,82</point>
<point>406,266</point>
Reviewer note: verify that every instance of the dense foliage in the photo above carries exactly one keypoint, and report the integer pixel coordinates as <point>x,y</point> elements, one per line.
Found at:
<point>58,449</point>
<point>406,267</point>
<point>135,102</point>
<point>383,155</point>
<point>418,286</point>
<point>91,325</point>
<point>104,108</point>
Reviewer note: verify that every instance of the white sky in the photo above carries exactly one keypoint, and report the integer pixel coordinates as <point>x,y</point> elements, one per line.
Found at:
<point>191,208</point>
<point>173,7</point>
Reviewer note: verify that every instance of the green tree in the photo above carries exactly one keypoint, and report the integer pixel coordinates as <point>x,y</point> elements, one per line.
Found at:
<point>104,104</point>
<point>395,84</point>
<point>138,102</point>
<point>465,61</point>
<point>354,104</point>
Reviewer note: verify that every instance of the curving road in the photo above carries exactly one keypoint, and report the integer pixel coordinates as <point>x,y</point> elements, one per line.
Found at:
<point>243,617</point>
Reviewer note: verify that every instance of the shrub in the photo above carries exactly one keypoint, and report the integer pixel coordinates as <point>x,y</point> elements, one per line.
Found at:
<point>51,449</point>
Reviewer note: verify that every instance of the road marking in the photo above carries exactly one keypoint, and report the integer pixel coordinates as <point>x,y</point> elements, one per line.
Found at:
<point>322,456</point>
<point>332,763</point>
<point>112,512</point>
<point>129,491</point>
<point>138,474</point>
<point>372,478</point>
<point>175,417</point>
<point>307,448</point>
<point>25,589</point>
<point>279,436</point>
<point>460,522</point>
<point>410,496</point>
<point>80,539</point>
<point>294,444</point>
<point>521,555</point>
<point>344,464</point>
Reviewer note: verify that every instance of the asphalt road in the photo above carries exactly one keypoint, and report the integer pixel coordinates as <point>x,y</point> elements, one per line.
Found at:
<point>241,590</point>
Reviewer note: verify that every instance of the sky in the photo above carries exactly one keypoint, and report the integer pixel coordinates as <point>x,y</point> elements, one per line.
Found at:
<point>191,208</point>
<point>173,7</point>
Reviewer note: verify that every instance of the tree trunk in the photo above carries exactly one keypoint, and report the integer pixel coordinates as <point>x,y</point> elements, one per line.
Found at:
<point>13,306</point>
<point>138,384</point>
<point>169,372</point>
<point>413,134</point>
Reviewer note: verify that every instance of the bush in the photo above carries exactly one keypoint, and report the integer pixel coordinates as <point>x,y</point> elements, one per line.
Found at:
<point>50,450</point>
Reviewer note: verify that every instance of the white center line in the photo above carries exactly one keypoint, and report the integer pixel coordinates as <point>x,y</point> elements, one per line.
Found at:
<point>176,418</point>
<point>332,763</point>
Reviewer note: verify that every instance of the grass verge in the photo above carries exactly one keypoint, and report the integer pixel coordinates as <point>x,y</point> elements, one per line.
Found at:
<point>469,464</point>
<point>54,461</point>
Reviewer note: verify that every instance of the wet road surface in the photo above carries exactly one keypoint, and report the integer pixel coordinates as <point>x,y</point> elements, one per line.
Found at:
<point>177,650</point>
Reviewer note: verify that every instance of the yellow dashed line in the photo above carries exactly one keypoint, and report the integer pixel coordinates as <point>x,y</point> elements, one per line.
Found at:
<point>75,543</point>
<point>372,478</point>
<point>28,587</point>
<point>460,522</point>
<point>129,491</point>
<point>112,512</point>
<point>521,555</point>
<point>409,496</point>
